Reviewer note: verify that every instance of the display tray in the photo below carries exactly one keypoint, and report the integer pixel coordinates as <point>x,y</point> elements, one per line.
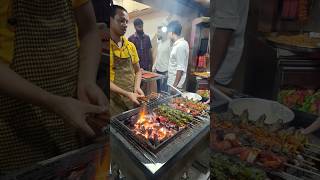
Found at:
<point>292,47</point>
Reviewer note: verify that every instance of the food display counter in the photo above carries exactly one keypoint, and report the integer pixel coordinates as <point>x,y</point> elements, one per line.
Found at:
<point>248,148</point>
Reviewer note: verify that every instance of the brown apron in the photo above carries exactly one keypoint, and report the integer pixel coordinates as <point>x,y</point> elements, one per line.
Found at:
<point>125,79</point>
<point>46,54</point>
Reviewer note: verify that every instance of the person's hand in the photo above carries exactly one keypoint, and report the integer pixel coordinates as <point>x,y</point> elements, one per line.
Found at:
<point>134,97</point>
<point>91,93</point>
<point>139,91</point>
<point>75,112</point>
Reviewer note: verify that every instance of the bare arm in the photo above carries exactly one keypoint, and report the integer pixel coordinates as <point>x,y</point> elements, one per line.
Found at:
<point>178,78</point>
<point>138,75</point>
<point>73,111</point>
<point>220,43</point>
<point>90,47</point>
<point>132,96</point>
<point>14,85</point>
<point>151,57</point>
<point>313,127</point>
<point>116,89</point>
<point>90,44</point>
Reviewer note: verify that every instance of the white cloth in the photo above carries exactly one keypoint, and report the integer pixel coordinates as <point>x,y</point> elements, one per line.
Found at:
<point>178,61</point>
<point>231,14</point>
<point>163,55</point>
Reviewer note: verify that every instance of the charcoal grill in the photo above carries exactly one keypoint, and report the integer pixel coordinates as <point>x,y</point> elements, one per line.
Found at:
<point>140,160</point>
<point>122,124</point>
<point>163,96</point>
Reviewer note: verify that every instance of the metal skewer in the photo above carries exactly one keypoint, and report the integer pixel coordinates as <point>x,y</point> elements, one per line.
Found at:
<point>176,89</point>
<point>311,157</point>
<point>312,151</point>
<point>286,175</point>
<point>306,162</point>
<point>302,169</point>
<point>313,145</point>
<point>313,168</point>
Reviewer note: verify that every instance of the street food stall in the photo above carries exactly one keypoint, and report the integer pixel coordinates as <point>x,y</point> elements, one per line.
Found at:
<point>168,133</point>
<point>258,135</point>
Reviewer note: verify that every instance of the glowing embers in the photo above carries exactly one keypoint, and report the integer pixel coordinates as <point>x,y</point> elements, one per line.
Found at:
<point>152,128</point>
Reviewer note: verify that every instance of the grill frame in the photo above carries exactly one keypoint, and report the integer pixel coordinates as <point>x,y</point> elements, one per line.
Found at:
<point>145,144</point>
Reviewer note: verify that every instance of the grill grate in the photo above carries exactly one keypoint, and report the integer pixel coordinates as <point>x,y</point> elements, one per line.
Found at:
<point>119,123</point>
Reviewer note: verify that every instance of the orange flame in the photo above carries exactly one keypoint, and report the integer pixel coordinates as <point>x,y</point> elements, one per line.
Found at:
<point>149,128</point>
<point>102,162</point>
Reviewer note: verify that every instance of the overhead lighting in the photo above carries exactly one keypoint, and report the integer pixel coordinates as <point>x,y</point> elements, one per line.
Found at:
<point>164,29</point>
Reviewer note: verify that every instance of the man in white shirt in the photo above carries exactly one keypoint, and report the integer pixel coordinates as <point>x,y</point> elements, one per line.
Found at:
<point>178,61</point>
<point>228,23</point>
<point>162,58</point>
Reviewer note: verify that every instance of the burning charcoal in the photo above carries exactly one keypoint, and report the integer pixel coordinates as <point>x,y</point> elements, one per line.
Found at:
<point>158,119</point>
<point>155,139</point>
<point>151,140</point>
<point>132,123</point>
<point>142,129</point>
<point>150,130</point>
<point>133,118</point>
<point>158,125</point>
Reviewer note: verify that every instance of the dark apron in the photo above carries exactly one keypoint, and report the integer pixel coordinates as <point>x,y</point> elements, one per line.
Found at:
<point>46,54</point>
<point>125,79</point>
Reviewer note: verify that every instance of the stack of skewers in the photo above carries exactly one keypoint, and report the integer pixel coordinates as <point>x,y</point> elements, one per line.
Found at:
<point>272,147</point>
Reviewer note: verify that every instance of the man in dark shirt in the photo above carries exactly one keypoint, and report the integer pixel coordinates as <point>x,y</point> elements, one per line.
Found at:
<point>143,45</point>
<point>102,12</point>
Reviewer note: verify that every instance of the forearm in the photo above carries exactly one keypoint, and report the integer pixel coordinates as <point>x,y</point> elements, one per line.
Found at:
<point>116,89</point>
<point>138,76</point>
<point>89,56</point>
<point>152,58</point>
<point>220,43</point>
<point>90,44</point>
<point>14,85</point>
<point>313,127</point>
<point>178,78</point>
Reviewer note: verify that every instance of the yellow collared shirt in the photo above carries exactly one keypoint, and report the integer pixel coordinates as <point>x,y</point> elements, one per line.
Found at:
<point>7,33</point>
<point>127,50</point>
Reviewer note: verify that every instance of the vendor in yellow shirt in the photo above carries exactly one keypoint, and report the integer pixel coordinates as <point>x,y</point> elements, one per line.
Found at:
<point>48,69</point>
<point>125,73</point>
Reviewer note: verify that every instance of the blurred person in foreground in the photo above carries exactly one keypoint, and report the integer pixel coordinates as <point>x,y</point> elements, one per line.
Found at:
<point>49,56</point>
<point>228,27</point>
